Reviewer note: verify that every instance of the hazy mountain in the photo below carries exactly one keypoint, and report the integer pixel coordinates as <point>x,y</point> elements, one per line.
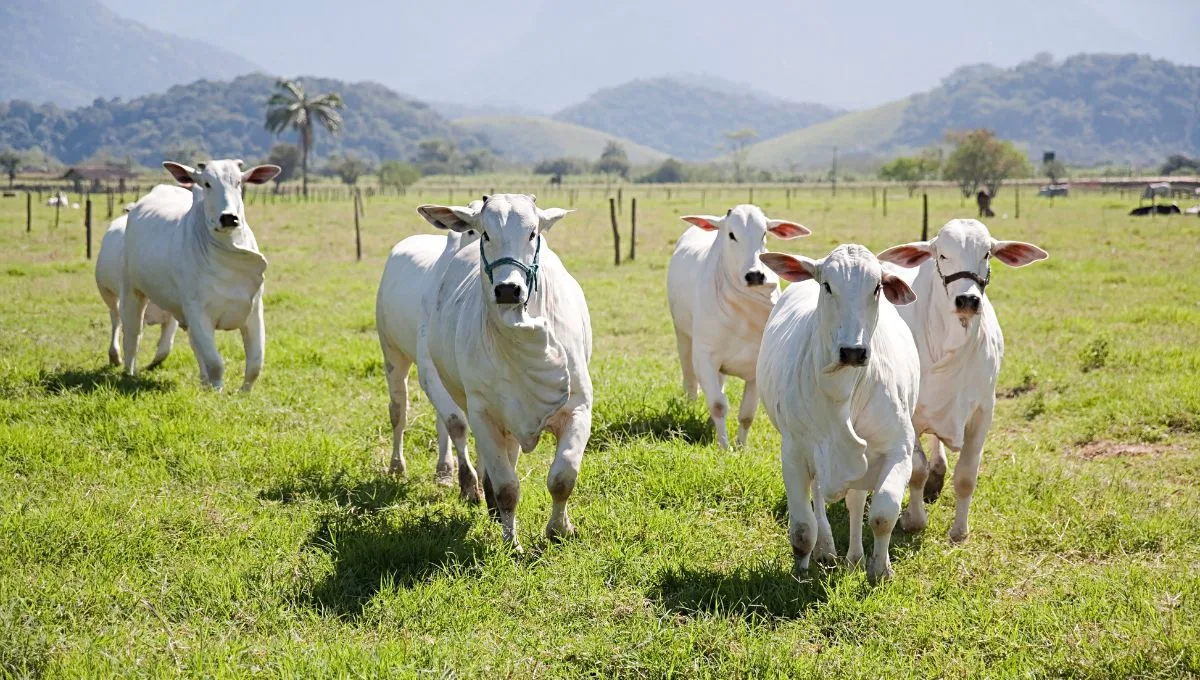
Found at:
<point>70,52</point>
<point>526,139</point>
<point>1089,108</point>
<point>222,118</point>
<point>688,120</point>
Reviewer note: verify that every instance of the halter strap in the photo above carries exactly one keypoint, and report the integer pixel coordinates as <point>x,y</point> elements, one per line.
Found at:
<point>982,282</point>
<point>530,271</point>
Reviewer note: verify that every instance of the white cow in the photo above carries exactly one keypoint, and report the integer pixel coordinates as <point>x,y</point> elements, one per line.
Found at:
<point>110,265</point>
<point>720,296</point>
<point>410,278</point>
<point>839,376</point>
<point>510,339</point>
<point>959,340</point>
<point>192,253</point>
<point>59,198</point>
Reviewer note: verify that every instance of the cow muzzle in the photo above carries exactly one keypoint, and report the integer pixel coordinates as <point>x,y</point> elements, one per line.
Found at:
<point>229,220</point>
<point>967,305</point>
<point>853,356</point>
<point>755,278</point>
<point>508,293</point>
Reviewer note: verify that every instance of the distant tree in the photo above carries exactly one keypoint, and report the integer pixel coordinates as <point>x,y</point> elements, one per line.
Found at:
<point>398,174</point>
<point>1054,170</point>
<point>349,168</point>
<point>10,161</point>
<point>912,170</point>
<point>738,140</point>
<point>438,156</point>
<point>186,152</point>
<point>478,160</point>
<point>670,171</point>
<point>613,160</point>
<point>292,108</point>
<point>980,159</point>
<point>561,166</point>
<point>1178,162</point>
<point>287,157</point>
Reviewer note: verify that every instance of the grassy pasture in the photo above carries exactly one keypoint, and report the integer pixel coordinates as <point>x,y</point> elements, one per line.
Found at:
<point>151,528</point>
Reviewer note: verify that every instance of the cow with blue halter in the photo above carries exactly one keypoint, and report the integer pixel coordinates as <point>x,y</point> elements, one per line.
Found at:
<point>509,336</point>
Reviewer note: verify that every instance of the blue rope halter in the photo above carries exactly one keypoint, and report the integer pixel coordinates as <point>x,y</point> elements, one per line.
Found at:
<point>530,271</point>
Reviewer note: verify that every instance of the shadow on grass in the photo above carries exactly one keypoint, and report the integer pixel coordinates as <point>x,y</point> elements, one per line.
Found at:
<point>677,420</point>
<point>371,553</point>
<point>757,594</point>
<point>369,495</point>
<point>87,381</point>
<point>903,545</point>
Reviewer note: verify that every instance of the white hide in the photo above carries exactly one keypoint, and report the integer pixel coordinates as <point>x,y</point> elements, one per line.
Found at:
<point>960,354</point>
<point>717,312</point>
<point>520,369</point>
<point>846,429</point>
<point>409,280</point>
<point>110,263</point>
<point>182,256</point>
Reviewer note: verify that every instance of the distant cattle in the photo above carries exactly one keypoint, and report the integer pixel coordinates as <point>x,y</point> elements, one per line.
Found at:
<point>984,200</point>
<point>1144,210</point>
<point>1052,190</point>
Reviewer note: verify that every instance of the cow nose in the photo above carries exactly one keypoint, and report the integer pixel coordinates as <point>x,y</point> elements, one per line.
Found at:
<point>508,293</point>
<point>229,220</point>
<point>755,278</point>
<point>853,356</point>
<point>967,303</point>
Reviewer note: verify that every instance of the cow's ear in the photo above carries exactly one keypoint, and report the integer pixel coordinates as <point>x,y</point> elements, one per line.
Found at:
<point>550,216</point>
<point>787,230</point>
<point>183,174</point>
<point>909,254</point>
<point>1017,253</point>
<point>705,222</point>
<point>452,217</point>
<point>261,174</point>
<point>896,289</point>
<point>791,267</point>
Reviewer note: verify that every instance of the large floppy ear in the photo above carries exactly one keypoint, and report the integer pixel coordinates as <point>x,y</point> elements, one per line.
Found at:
<point>183,174</point>
<point>261,174</point>
<point>787,230</point>
<point>1017,253</point>
<point>452,217</point>
<point>550,216</point>
<point>896,289</point>
<point>791,267</point>
<point>705,222</point>
<point>909,254</point>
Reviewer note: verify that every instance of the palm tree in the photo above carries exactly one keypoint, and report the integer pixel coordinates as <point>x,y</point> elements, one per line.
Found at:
<point>292,108</point>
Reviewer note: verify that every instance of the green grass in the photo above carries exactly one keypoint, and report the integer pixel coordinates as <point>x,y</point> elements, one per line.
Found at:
<point>860,135</point>
<point>151,528</point>
<point>531,138</point>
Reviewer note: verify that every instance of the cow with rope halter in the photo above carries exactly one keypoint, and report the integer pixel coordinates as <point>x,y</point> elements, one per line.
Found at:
<point>960,345</point>
<point>510,339</point>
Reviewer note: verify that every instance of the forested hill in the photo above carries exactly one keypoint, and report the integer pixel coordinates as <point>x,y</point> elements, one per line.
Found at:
<point>220,118</point>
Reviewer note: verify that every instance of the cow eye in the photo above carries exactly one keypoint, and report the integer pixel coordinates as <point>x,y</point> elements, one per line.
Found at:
<point>485,237</point>
<point>532,235</point>
<point>941,257</point>
<point>987,256</point>
<point>207,185</point>
<point>732,237</point>
<point>827,288</point>
<point>878,288</point>
<point>470,232</point>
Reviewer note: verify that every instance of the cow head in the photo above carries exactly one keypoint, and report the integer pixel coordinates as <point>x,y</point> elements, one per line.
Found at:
<point>511,229</point>
<point>742,237</point>
<point>218,186</point>
<point>962,254</point>
<point>851,281</point>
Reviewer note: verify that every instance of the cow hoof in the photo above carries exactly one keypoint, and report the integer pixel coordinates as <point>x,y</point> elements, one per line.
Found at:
<point>470,494</point>
<point>878,573</point>
<point>558,534</point>
<point>397,469</point>
<point>825,553</point>
<point>911,524</point>
<point>933,485</point>
<point>114,357</point>
<point>854,557</point>
<point>958,535</point>
<point>444,476</point>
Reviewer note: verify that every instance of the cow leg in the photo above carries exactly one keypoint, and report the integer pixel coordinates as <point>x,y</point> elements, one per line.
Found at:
<point>132,307</point>
<point>966,472</point>
<point>802,521</point>
<point>166,341</point>
<point>936,471</point>
<point>915,518</point>
<point>713,384</point>
<point>202,335</point>
<point>856,502</point>
<point>396,366</point>
<point>885,508</point>
<point>825,551</point>
<point>684,342</point>
<point>496,454</point>
<point>572,440</point>
<point>114,338</point>
<point>468,480</point>
<point>254,340</point>
<point>746,412</point>
<point>444,474</point>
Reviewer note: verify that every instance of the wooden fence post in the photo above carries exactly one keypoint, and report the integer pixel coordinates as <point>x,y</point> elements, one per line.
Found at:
<point>632,228</point>
<point>612,213</point>
<point>620,201</point>
<point>751,201</point>
<point>357,233</point>
<point>872,198</point>
<point>1017,196</point>
<point>28,212</point>
<point>885,201</point>
<point>87,225</point>
<point>57,211</point>
<point>925,216</point>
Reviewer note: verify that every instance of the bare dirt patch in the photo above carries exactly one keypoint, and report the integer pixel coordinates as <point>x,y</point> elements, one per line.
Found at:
<point>1103,449</point>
